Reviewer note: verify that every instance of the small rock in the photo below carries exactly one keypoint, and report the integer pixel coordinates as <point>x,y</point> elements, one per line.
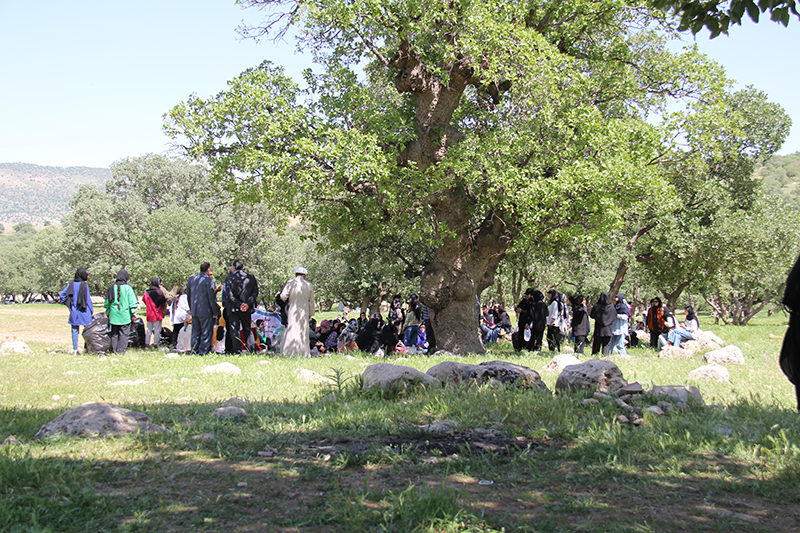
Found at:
<point>631,388</point>
<point>172,355</point>
<point>104,358</point>
<point>312,377</point>
<point>234,401</point>
<point>444,427</point>
<point>601,396</point>
<point>665,406</point>
<point>656,410</point>
<point>622,419</point>
<point>713,372</point>
<point>560,362</point>
<point>14,347</point>
<point>269,451</point>
<point>725,431</point>
<point>55,397</point>
<point>11,440</point>
<point>204,437</point>
<point>231,411</point>
<point>590,401</point>
<point>184,380</point>
<point>222,368</point>
<point>264,362</point>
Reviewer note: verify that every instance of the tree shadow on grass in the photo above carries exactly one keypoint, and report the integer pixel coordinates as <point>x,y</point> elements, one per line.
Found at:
<point>341,466</point>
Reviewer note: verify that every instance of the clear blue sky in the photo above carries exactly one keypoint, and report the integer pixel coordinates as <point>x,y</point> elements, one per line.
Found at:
<point>86,82</point>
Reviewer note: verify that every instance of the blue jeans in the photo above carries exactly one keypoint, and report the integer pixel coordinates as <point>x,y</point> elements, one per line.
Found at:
<point>410,337</point>
<point>618,343</point>
<point>75,331</point>
<point>491,335</point>
<point>678,335</point>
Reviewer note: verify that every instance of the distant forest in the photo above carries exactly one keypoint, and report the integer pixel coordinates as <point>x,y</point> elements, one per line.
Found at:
<point>39,194</point>
<point>780,175</point>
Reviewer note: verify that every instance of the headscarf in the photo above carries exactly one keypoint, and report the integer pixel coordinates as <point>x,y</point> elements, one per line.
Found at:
<point>122,279</point>
<point>155,293</point>
<point>622,306</point>
<point>83,291</point>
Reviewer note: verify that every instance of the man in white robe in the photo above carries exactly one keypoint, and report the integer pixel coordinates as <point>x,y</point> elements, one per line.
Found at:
<point>299,295</point>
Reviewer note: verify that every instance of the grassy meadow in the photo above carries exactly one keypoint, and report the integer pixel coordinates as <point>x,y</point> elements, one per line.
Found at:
<point>353,461</point>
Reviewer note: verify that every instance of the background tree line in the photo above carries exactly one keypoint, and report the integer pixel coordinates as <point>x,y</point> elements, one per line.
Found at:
<point>161,217</point>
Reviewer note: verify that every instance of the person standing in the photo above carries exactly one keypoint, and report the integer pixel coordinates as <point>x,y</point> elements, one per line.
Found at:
<point>155,302</point>
<point>179,312</point>
<point>555,321</point>
<point>77,299</point>
<point>298,294</point>
<point>619,329</point>
<point>226,310</point>
<point>580,323</point>
<point>604,314</point>
<point>655,320</point>
<point>241,294</point>
<point>202,296</point>
<point>120,305</point>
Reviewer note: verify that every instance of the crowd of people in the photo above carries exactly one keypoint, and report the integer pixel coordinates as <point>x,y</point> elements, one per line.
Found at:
<point>567,319</point>
<point>200,324</point>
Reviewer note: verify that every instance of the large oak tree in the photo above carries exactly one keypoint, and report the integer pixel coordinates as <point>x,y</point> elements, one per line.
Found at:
<point>464,125</point>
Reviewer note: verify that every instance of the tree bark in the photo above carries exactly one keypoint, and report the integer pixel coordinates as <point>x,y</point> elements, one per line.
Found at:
<point>462,268</point>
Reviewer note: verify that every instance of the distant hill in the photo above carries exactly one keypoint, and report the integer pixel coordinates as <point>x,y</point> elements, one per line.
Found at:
<point>35,194</point>
<point>780,174</point>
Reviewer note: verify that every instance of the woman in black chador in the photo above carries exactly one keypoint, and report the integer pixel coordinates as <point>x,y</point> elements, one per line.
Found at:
<point>539,313</point>
<point>604,314</point>
<point>580,322</point>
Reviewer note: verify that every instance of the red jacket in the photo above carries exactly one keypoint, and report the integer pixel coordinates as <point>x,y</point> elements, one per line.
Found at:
<point>154,314</point>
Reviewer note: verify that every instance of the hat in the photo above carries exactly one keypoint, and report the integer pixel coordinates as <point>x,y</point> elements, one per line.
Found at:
<point>300,270</point>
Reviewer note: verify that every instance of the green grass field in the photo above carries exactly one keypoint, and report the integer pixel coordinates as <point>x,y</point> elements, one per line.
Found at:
<point>362,462</point>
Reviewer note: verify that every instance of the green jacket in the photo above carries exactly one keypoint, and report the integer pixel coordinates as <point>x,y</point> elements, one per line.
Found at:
<point>124,307</point>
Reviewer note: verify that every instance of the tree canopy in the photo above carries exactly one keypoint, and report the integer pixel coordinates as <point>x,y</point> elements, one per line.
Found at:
<point>717,15</point>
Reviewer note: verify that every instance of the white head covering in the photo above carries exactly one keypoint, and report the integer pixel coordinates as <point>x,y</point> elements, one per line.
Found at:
<point>300,270</point>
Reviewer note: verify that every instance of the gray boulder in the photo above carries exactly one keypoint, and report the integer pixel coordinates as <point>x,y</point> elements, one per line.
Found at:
<point>99,420</point>
<point>728,354</point>
<point>560,362</point>
<point>676,393</point>
<point>511,375</point>
<point>395,377</point>
<point>711,372</point>
<point>594,375</point>
<point>452,374</point>
<point>673,352</point>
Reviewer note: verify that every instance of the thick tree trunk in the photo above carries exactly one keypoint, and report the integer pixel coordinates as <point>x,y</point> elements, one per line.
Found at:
<point>672,297</point>
<point>462,268</point>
